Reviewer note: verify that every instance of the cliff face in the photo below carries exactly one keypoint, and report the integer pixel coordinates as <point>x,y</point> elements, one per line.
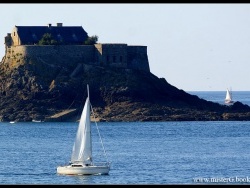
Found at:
<point>55,90</point>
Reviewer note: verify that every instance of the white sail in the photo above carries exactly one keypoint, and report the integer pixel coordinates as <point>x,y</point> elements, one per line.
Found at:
<point>82,149</point>
<point>228,98</point>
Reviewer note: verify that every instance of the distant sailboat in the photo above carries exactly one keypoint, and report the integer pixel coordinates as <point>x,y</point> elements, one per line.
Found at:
<point>228,99</point>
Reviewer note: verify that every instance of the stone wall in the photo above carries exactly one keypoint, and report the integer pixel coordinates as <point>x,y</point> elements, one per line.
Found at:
<point>106,55</point>
<point>15,38</point>
<point>114,55</point>
<point>138,58</point>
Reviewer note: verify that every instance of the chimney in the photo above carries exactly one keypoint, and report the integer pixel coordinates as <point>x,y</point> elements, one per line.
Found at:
<point>59,24</point>
<point>49,25</point>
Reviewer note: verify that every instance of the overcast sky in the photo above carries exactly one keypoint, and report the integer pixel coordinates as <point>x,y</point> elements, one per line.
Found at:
<point>195,47</point>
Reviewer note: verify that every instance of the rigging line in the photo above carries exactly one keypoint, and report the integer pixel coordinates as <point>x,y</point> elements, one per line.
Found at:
<point>80,106</point>
<point>73,101</point>
<point>99,133</point>
<point>82,103</point>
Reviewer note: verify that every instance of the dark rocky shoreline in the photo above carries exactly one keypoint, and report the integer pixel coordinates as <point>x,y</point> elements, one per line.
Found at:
<point>34,89</point>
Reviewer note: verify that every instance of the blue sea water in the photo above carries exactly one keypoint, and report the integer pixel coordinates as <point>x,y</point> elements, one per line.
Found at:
<point>198,152</point>
<point>219,96</point>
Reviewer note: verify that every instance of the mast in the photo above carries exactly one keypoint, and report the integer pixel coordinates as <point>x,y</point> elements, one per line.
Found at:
<point>88,90</point>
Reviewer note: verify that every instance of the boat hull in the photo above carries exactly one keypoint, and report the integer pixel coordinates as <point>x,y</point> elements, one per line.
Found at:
<point>229,102</point>
<point>83,170</point>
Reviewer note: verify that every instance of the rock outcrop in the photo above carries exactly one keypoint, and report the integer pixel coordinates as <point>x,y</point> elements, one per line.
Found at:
<point>55,90</point>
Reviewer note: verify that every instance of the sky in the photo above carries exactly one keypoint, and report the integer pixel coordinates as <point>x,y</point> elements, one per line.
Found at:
<point>195,47</point>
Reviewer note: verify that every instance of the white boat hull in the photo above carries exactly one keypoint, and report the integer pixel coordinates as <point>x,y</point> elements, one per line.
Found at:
<point>83,170</point>
<point>229,102</point>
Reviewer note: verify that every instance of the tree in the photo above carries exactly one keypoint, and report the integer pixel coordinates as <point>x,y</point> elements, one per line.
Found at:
<point>47,39</point>
<point>91,40</point>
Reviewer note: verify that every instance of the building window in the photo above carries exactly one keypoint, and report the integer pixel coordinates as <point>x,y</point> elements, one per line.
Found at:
<point>107,58</point>
<point>114,59</point>
<point>120,58</point>
<point>14,33</point>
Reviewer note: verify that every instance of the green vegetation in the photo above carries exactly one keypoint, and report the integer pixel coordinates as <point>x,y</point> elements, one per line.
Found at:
<point>47,39</point>
<point>91,40</point>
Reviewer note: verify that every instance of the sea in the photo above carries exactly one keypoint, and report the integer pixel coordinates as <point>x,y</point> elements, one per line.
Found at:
<point>141,153</point>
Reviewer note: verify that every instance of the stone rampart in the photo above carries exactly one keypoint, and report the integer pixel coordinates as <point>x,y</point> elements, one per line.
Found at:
<point>106,55</point>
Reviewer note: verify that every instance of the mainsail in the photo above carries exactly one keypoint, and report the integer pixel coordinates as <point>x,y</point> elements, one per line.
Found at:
<point>228,98</point>
<point>82,149</point>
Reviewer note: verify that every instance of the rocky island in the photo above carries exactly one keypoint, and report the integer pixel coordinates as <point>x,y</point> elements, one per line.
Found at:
<point>45,78</point>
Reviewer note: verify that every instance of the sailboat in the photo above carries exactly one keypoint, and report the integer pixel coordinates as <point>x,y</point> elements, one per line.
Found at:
<point>228,99</point>
<point>81,162</point>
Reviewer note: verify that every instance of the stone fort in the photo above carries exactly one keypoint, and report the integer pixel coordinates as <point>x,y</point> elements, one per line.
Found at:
<point>23,40</point>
